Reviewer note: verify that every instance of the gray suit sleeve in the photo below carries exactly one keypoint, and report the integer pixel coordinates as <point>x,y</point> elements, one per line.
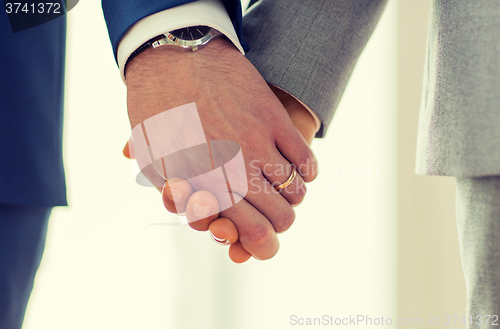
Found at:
<point>309,47</point>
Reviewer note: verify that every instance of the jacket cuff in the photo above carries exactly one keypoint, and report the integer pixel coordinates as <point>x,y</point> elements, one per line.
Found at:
<point>211,13</point>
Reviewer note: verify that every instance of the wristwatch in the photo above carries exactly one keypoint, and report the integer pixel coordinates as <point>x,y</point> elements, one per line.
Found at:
<point>192,37</point>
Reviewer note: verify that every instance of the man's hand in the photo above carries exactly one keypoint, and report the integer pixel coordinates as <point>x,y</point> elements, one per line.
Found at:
<point>223,230</point>
<point>234,103</point>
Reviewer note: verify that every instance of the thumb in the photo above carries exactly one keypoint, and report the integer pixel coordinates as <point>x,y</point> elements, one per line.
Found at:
<point>128,150</point>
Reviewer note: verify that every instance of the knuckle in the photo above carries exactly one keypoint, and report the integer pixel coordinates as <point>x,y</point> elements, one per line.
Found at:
<point>258,235</point>
<point>306,165</point>
<point>285,222</point>
<point>295,194</point>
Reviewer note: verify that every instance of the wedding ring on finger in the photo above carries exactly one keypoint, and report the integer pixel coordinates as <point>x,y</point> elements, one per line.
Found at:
<point>222,242</point>
<point>288,182</point>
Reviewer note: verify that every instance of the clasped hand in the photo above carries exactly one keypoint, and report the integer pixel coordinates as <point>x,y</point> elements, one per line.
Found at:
<point>235,104</point>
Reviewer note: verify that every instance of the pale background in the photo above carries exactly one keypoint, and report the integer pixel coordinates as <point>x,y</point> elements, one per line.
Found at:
<point>379,242</point>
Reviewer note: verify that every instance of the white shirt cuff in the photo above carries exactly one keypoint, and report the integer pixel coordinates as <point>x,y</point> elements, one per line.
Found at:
<point>201,12</point>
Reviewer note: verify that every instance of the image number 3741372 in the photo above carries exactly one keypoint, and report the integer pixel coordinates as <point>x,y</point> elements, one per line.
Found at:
<point>26,14</point>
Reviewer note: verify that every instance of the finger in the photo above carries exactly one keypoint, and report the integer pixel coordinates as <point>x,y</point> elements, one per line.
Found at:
<point>224,231</point>
<point>303,121</point>
<point>175,195</point>
<point>149,171</point>
<point>255,232</point>
<point>238,254</point>
<point>295,149</point>
<point>294,191</point>
<point>301,118</point>
<point>264,197</point>
<point>201,209</point>
<point>278,171</point>
<point>128,150</point>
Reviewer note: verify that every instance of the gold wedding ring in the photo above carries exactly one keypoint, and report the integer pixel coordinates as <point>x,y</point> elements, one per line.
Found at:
<point>288,182</point>
<point>220,241</point>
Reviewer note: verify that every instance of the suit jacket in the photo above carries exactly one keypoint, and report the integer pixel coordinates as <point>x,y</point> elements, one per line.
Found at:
<point>309,48</point>
<point>459,128</point>
<point>31,104</point>
<point>31,100</point>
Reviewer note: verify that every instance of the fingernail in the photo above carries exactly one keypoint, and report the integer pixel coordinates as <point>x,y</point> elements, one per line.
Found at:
<point>176,194</point>
<point>201,211</point>
<point>223,242</point>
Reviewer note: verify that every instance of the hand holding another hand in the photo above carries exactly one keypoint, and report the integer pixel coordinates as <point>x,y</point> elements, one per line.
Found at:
<point>234,103</point>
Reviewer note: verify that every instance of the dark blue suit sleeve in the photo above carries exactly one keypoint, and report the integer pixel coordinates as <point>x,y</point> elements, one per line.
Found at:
<point>31,114</point>
<point>121,15</point>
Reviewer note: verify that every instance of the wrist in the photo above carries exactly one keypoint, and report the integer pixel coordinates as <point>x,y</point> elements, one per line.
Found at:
<point>155,60</point>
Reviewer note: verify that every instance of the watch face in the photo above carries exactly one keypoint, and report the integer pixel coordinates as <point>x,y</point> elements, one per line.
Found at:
<point>191,33</point>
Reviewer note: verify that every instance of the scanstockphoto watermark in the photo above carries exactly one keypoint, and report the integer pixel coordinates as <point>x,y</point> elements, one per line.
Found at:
<point>365,320</point>
<point>333,178</point>
<point>351,320</point>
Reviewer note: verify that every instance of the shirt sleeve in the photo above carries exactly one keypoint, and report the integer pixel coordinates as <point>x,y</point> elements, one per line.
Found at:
<point>202,12</point>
